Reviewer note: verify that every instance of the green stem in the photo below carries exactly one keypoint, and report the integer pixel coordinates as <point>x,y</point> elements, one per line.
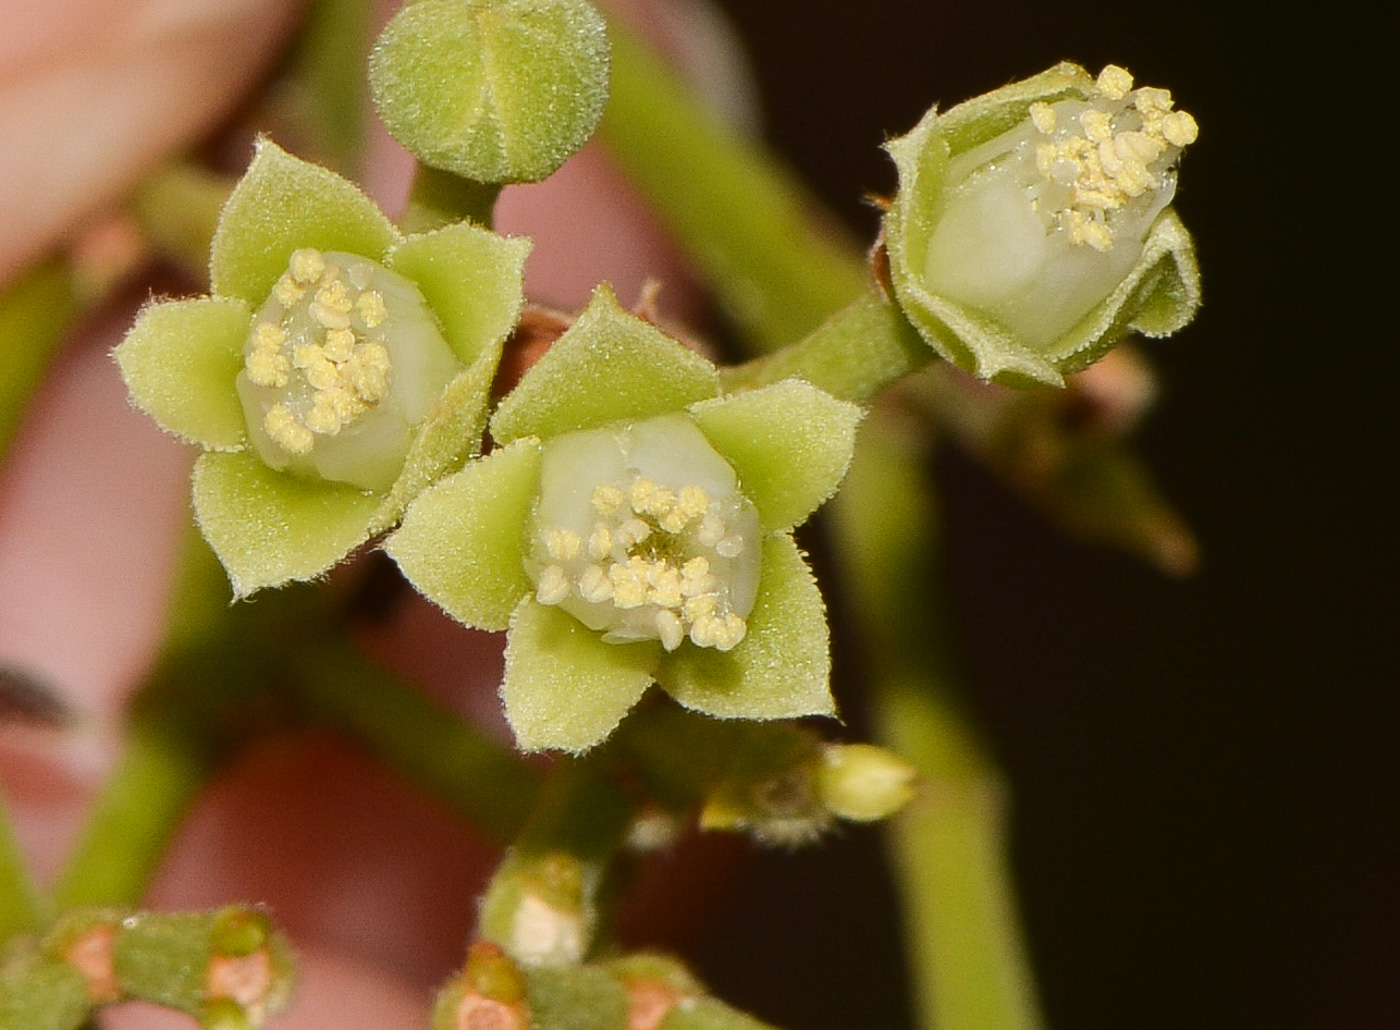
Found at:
<point>543,905</point>
<point>35,313</point>
<point>21,907</point>
<point>854,354</point>
<point>777,266</point>
<point>487,785</point>
<point>949,846</point>
<point>440,198</point>
<point>161,771</point>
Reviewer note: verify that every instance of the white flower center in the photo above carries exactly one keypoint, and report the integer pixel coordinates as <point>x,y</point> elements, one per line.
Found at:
<point>343,359</point>
<point>641,532</point>
<point>1043,221</point>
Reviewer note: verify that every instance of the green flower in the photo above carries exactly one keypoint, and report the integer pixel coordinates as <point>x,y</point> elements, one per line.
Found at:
<point>635,527</point>
<point>1031,230</point>
<point>338,368</point>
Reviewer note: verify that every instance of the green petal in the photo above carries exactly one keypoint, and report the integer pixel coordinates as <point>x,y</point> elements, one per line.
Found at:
<point>269,528</point>
<point>791,444</point>
<point>782,669</point>
<point>446,439</point>
<point>461,543</point>
<point>497,92</point>
<point>564,688</point>
<point>283,203</point>
<point>610,366</point>
<point>179,361</point>
<point>471,278</point>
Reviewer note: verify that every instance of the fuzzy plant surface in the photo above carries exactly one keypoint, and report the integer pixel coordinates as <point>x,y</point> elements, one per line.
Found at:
<point>634,526</point>
<point>1032,229</point>
<point>337,369</point>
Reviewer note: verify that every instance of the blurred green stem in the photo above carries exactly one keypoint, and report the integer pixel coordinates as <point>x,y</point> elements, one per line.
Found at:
<point>35,313</point>
<point>949,846</point>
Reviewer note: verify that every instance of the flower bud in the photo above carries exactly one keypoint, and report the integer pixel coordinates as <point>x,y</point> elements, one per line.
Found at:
<point>1032,226</point>
<point>864,783</point>
<point>497,91</point>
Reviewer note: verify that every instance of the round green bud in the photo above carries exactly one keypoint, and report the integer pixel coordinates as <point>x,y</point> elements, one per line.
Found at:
<point>492,90</point>
<point>864,783</point>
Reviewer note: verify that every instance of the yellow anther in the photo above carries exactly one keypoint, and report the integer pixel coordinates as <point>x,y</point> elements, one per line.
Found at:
<point>730,547</point>
<point>368,371</point>
<point>1134,179</point>
<point>372,309</point>
<point>553,586</point>
<point>1180,129</point>
<point>1097,125</point>
<point>665,586</point>
<point>711,531</point>
<point>1043,117</point>
<point>606,499</point>
<point>268,368</point>
<point>304,355</point>
<point>340,344</point>
<point>1149,100</point>
<point>287,291</point>
<point>306,265</point>
<point>638,493</point>
<point>327,317</point>
<point>670,630</point>
<point>693,500</point>
<point>268,336</point>
<point>632,532</point>
<point>1139,146</point>
<point>1110,156</point>
<point>1097,235</point>
<point>594,585</point>
<point>660,502</point>
<point>628,589</point>
<point>696,567</point>
<point>600,542</point>
<point>321,373</point>
<point>696,608</point>
<point>286,431</point>
<point>335,296</point>
<point>729,633</point>
<point>562,544</point>
<point>323,419</point>
<point>1115,82</point>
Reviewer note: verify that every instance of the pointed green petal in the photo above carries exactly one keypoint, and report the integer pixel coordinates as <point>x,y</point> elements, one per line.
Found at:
<point>782,668</point>
<point>471,278</point>
<point>461,543</point>
<point>281,204</point>
<point>179,361</point>
<point>791,444</point>
<point>269,528</point>
<point>610,366</point>
<point>564,688</point>
<point>448,437</point>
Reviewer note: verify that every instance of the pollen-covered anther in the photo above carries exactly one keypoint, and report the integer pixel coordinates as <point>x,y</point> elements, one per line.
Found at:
<point>371,308</point>
<point>563,544</point>
<point>290,434</point>
<point>306,265</point>
<point>553,586</point>
<point>1043,117</point>
<point>669,629</point>
<point>607,499</point>
<point>1115,82</point>
<point>594,586</point>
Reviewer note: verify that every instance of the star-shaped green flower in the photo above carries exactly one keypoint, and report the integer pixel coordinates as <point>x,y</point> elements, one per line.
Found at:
<point>633,527</point>
<point>338,368</point>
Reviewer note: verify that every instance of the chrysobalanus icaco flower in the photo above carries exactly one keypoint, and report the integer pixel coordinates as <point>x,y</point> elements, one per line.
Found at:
<point>338,368</point>
<point>633,527</point>
<point>1032,226</point>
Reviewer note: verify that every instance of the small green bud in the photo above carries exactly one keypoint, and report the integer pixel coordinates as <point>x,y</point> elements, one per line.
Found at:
<point>492,90</point>
<point>1032,229</point>
<point>542,909</point>
<point>864,783</point>
<point>489,994</point>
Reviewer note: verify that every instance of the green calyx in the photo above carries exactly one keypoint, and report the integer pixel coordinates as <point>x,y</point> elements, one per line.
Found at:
<point>338,368</point>
<point>1031,230</point>
<point>635,529</point>
<point>493,91</point>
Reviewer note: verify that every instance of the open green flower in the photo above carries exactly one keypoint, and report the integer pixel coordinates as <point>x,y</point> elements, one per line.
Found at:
<point>338,368</point>
<point>1032,228</point>
<point>635,527</point>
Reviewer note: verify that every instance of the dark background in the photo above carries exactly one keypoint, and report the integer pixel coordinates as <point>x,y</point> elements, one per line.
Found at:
<point>1204,771</point>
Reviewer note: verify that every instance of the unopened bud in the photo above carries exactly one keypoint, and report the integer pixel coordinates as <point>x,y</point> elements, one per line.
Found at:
<point>863,783</point>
